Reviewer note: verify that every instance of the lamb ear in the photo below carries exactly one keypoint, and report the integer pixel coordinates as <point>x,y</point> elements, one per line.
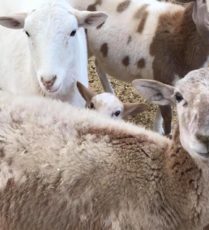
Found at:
<point>85,92</point>
<point>88,19</point>
<point>154,91</point>
<point>14,22</point>
<point>133,109</point>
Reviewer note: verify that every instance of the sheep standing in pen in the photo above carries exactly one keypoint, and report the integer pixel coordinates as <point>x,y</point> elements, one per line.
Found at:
<point>108,104</point>
<point>44,52</point>
<point>148,39</point>
<point>84,171</point>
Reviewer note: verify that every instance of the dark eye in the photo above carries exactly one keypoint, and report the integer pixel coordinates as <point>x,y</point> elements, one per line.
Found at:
<point>178,97</point>
<point>91,106</point>
<point>117,113</point>
<point>26,32</point>
<point>73,33</point>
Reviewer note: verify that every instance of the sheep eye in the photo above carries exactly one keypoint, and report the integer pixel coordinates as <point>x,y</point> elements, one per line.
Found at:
<point>178,97</point>
<point>91,106</point>
<point>72,34</point>
<point>26,32</point>
<point>117,113</point>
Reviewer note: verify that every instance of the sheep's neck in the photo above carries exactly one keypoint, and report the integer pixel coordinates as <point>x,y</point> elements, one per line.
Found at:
<point>191,177</point>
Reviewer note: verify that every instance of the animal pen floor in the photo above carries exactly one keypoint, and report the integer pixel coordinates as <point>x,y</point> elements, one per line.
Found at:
<point>126,93</point>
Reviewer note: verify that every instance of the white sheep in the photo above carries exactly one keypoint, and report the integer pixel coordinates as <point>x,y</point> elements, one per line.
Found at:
<point>148,39</point>
<point>108,104</point>
<point>48,54</point>
<point>67,168</point>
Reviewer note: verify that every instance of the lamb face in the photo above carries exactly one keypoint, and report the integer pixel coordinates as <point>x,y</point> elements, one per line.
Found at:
<point>109,104</point>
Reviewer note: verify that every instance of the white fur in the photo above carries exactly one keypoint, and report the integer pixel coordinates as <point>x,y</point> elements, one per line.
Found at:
<point>107,104</point>
<point>49,51</point>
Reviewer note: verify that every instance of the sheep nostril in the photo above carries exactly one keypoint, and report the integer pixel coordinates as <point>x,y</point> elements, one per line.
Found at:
<point>48,83</point>
<point>54,79</point>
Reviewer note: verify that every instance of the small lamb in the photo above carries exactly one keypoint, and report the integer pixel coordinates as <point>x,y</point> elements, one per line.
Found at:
<point>86,171</point>
<point>108,104</point>
<point>44,52</point>
<point>148,39</point>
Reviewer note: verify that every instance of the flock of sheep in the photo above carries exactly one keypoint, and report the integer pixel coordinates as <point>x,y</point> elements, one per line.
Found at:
<point>67,167</point>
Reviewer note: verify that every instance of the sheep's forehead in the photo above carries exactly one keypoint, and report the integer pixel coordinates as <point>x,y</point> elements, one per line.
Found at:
<point>195,90</point>
<point>108,101</point>
<point>52,16</point>
<point>195,86</point>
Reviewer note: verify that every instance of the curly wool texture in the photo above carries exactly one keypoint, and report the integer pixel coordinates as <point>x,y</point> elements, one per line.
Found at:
<point>68,168</point>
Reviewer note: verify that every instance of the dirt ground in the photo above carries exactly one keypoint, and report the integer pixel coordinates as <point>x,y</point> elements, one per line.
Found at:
<point>126,93</point>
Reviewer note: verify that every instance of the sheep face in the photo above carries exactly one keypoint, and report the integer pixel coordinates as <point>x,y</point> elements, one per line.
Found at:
<point>52,42</point>
<point>108,104</point>
<point>56,43</point>
<point>104,103</point>
<point>191,96</point>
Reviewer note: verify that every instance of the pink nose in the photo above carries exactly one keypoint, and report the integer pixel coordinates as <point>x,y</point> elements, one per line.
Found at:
<point>48,83</point>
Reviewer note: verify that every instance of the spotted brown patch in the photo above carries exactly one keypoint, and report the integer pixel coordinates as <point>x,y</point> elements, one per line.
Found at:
<point>123,6</point>
<point>141,63</point>
<point>104,49</point>
<point>142,15</point>
<point>140,11</point>
<point>126,61</point>
<point>92,7</point>
<point>142,23</point>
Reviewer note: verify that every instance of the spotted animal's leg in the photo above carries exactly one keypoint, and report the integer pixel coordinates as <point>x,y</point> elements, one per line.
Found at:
<point>166,113</point>
<point>103,78</point>
<point>158,122</point>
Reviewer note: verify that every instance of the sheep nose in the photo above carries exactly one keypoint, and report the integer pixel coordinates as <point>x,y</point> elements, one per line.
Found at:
<point>48,83</point>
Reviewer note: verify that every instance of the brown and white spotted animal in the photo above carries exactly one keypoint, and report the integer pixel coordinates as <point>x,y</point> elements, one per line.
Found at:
<point>148,39</point>
<point>64,168</point>
<point>108,104</point>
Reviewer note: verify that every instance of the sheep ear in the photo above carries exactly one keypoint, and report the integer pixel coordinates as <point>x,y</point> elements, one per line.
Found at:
<point>85,92</point>
<point>88,19</point>
<point>14,22</point>
<point>154,91</point>
<point>133,109</point>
